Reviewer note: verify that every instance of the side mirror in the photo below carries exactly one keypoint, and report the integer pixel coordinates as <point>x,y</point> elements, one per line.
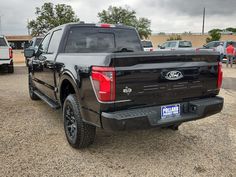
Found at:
<point>162,47</point>
<point>29,52</point>
<point>26,45</point>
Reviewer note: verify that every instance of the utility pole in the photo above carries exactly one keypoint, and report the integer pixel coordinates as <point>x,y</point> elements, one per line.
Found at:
<point>28,27</point>
<point>203,20</point>
<point>0,24</point>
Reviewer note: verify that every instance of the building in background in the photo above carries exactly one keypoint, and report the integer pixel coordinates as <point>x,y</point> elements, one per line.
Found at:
<point>19,41</point>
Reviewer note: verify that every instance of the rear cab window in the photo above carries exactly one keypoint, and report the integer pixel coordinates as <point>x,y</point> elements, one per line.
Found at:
<point>101,40</point>
<point>146,44</point>
<point>3,42</point>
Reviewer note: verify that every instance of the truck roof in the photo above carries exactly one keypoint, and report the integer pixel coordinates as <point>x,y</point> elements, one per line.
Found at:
<point>102,25</point>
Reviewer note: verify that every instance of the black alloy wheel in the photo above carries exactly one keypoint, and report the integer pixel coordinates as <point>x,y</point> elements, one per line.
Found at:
<point>78,133</point>
<point>70,123</point>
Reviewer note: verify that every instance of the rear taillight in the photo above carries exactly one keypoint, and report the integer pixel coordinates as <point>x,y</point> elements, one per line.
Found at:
<point>104,82</point>
<point>10,53</point>
<point>220,75</point>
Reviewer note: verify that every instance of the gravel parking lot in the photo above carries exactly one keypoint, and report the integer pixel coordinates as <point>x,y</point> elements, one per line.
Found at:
<point>32,141</point>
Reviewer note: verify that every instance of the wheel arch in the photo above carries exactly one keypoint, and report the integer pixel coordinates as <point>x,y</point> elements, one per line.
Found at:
<point>67,83</point>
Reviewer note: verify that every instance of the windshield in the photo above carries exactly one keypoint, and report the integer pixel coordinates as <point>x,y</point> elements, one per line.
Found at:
<point>101,40</point>
<point>146,44</point>
<point>184,44</point>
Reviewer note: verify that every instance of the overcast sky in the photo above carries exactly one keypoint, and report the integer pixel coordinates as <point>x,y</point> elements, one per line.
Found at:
<point>170,16</point>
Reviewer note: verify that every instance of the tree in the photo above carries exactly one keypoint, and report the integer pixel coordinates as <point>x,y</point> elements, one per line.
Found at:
<point>174,37</point>
<point>215,30</point>
<point>116,15</point>
<point>50,16</point>
<point>215,35</point>
<point>231,29</point>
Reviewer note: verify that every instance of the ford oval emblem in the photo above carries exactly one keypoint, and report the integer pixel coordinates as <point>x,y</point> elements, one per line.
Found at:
<point>174,75</point>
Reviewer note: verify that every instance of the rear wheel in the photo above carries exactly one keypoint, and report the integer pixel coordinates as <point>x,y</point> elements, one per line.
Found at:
<point>78,133</point>
<point>11,68</point>
<point>26,62</point>
<point>32,88</point>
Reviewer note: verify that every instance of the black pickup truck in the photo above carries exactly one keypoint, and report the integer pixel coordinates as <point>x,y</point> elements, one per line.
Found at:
<point>101,77</point>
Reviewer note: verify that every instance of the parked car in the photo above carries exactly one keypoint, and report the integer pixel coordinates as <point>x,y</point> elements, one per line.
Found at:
<point>214,44</point>
<point>175,45</point>
<point>101,78</point>
<point>34,43</point>
<point>147,45</point>
<point>6,55</point>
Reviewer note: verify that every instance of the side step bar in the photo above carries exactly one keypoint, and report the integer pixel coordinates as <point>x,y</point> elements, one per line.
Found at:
<point>50,102</point>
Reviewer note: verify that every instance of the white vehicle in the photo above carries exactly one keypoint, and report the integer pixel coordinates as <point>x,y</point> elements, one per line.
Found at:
<point>6,61</point>
<point>147,45</point>
<point>175,45</point>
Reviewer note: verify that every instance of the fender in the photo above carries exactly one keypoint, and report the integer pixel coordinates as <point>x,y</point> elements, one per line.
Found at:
<point>88,116</point>
<point>67,75</point>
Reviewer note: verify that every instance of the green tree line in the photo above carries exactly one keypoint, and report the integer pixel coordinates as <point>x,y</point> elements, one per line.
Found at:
<point>49,16</point>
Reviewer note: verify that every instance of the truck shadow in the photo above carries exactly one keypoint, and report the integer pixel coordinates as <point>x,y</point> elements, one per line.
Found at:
<point>194,141</point>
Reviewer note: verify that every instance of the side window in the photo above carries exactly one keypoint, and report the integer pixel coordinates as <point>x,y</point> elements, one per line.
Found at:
<point>172,44</point>
<point>54,42</point>
<point>164,45</point>
<point>216,44</point>
<point>210,45</point>
<point>43,47</point>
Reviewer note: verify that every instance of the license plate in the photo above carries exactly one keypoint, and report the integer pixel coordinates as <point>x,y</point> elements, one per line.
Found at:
<point>170,111</point>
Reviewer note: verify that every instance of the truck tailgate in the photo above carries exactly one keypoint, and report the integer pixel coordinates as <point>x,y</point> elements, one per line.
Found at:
<point>4,52</point>
<point>164,78</point>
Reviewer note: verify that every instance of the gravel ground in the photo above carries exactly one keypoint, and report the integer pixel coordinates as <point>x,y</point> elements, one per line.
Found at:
<point>32,142</point>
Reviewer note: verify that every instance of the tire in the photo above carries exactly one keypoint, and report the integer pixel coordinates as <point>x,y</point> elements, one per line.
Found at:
<point>26,63</point>
<point>32,88</point>
<point>78,133</point>
<point>10,68</point>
